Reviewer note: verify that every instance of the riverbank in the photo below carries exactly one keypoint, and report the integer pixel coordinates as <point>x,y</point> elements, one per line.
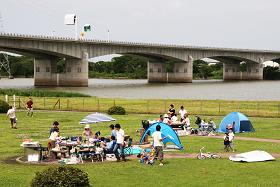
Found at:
<point>141,89</point>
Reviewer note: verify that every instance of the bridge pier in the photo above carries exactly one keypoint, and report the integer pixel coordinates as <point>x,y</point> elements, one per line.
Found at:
<point>231,71</point>
<point>75,74</point>
<point>253,72</point>
<point>157,72</point>
<point>182,73</point>
<point>45,72</point>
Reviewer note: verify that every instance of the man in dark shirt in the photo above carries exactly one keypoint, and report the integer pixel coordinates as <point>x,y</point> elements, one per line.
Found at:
<point>55,126</point>
<point>171,110</point>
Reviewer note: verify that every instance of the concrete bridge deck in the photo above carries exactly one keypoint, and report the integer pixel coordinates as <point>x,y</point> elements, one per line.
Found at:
<point>46,50</point>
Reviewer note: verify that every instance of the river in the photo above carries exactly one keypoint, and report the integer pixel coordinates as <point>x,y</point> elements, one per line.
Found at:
<point>140,89</point>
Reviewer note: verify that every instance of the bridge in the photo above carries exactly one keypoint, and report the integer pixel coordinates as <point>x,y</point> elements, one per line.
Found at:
<point>46,50</point>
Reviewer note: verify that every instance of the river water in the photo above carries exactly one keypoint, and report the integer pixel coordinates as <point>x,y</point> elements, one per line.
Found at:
<point>140,89</point>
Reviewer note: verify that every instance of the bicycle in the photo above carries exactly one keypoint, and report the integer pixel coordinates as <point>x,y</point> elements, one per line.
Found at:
<point>202,155</point>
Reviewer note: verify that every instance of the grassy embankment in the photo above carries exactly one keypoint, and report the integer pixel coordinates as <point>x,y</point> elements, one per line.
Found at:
<point>176,172</point>
<point>49,100</point>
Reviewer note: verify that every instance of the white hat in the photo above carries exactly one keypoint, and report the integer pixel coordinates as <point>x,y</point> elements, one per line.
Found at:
<point>87,127</point>
<point>165,116</point>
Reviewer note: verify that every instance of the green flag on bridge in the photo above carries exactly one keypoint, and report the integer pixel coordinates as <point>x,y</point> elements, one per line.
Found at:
<point>87,28</point>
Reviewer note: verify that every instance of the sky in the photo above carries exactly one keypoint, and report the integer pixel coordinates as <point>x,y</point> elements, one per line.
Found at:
<point>250,24</point>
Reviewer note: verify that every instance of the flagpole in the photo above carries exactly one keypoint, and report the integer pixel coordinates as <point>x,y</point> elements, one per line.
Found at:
<point>108,35</point>
<point>76,28</point>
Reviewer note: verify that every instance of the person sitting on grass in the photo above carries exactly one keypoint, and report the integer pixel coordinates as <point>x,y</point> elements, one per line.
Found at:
<point>110,146</point>
<point>55,127</point>
<point>161,118</point>
<point>167,119</point>
<point>102,143</point>
<point>52,139</point>
<point>186,121</point>
<point>87,133</point>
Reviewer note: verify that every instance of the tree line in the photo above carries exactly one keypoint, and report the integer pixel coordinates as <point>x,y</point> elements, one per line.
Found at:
<point>129,66</point>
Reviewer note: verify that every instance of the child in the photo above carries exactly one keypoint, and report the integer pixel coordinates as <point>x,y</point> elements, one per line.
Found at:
<point>226,142</point>
<point>158,145</point>
<point>231,138</point>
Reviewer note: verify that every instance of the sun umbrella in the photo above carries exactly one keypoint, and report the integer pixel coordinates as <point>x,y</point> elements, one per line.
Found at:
<point>96,117</point>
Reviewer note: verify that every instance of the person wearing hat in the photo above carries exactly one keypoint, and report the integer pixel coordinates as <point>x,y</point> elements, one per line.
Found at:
<point>87,133</point>
<point>167,119</point>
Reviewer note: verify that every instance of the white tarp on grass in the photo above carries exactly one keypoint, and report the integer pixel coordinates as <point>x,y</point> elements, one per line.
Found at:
<point>252,156</point>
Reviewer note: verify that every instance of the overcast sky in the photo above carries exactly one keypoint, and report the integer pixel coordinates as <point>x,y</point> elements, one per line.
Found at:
<point>217,23</point>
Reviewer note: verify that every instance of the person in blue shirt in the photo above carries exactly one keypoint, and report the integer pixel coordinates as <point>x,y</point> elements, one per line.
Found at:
<point>110,146</point>
<point>113,133</point>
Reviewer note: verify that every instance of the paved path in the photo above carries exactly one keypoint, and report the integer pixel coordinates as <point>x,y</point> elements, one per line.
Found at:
<point>223,155</point>
<point>244,138</point>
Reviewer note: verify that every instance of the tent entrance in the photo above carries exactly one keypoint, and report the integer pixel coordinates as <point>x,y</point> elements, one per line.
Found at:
<point>246,126</point>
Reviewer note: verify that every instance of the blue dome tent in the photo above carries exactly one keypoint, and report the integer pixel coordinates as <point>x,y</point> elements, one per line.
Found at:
<point>242,123</point>
<point>166,131</point>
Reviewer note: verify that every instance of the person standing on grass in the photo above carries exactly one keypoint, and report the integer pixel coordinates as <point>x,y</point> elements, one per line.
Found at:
<point>231,138</point>
<point>119,143</point>
<point>12,115</point>
<point>158,145</point>
<point>29,106</point>
<point>226,142</point>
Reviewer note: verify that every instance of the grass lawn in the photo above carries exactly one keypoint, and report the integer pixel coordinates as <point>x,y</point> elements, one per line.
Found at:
<point>152,106</point>
<point>176,172</point>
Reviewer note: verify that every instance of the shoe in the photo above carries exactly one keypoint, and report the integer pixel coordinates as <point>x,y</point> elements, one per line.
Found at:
<point>15,127</point>
<point>124,160</point>
<point>161,164</point>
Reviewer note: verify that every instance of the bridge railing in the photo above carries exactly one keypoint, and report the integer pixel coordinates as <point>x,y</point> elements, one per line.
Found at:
<point>160,106</point>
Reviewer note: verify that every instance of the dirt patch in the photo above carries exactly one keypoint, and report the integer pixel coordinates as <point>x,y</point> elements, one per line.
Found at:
<point>10,160</point>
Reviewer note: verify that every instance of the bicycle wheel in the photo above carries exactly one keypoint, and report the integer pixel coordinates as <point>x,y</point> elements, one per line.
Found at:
<point>214,156</point>
<point>201,157</point>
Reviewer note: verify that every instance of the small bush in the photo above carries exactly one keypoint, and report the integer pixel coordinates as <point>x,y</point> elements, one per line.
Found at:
<point>118,110</point>
<point>62,176</point>
<point>4,107</point>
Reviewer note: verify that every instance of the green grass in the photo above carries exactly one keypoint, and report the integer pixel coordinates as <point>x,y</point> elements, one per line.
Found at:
<point>176,172</point>
<point>153,106</point>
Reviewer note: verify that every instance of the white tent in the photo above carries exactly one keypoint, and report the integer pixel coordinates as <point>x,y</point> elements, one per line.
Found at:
<point>252,156</point>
